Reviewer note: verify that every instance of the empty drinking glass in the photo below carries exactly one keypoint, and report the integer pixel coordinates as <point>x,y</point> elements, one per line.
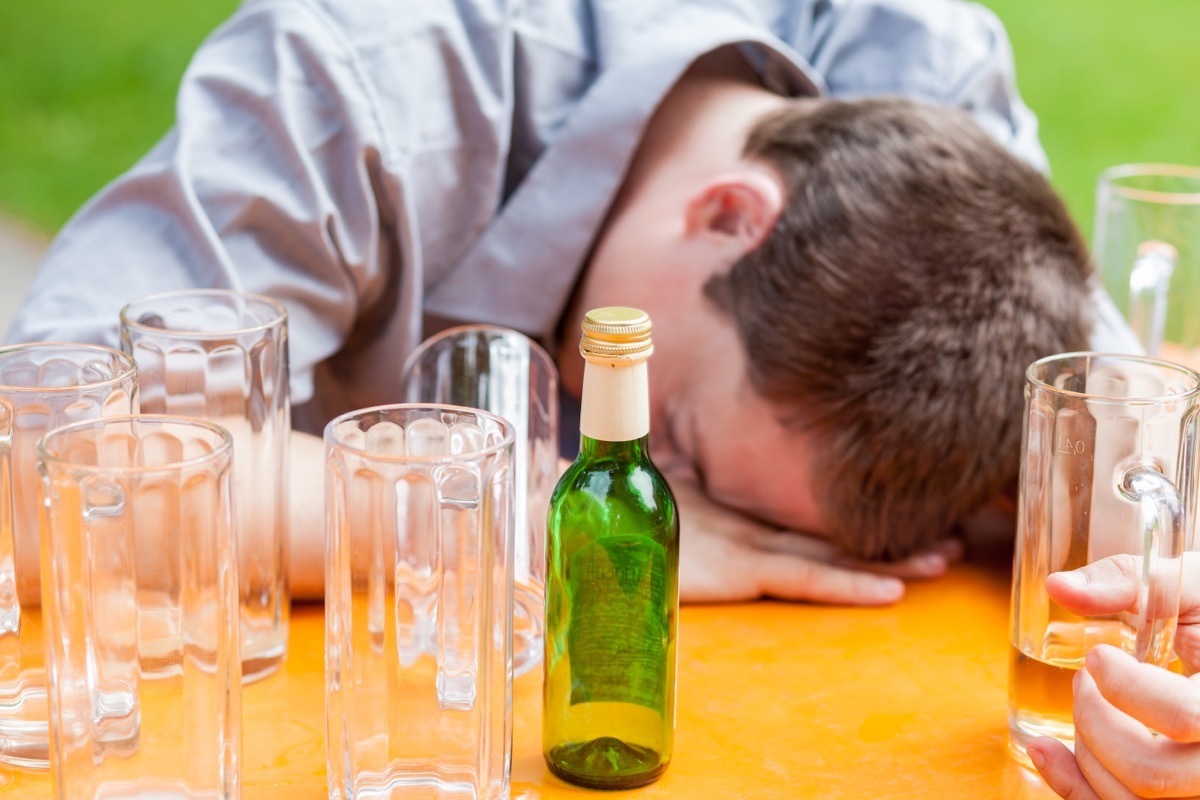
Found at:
<point>507,373</point>
<point>142,609</point>
<point>1147,246</point>
<point>42,386</point>
<point>418,603</point>
<point>221,355</point>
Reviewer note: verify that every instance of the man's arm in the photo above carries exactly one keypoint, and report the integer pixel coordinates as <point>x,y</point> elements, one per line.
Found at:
<point>263,185</point>
<point>306,517</point>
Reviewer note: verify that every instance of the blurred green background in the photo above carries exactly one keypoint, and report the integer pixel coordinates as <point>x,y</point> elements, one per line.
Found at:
<point>86,88</point>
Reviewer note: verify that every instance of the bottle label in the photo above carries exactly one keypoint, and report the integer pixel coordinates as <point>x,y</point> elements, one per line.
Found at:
<point>617,639</point>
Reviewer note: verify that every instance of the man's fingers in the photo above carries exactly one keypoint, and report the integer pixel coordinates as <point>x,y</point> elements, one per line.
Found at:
<point>1110,585</point>
<point>927,564</point>
<point>1058,767</point>
<point>1189,590</point>
<point>1187,646</point>
<point>773,540</point>
<point>1106,586</point>
<point>1115,751</point>
<point>1167,702</point>
<point>1100,781</point>
<point>793,578</point>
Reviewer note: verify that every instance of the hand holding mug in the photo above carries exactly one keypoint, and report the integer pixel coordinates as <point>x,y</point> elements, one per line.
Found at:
<point>1119,701</point>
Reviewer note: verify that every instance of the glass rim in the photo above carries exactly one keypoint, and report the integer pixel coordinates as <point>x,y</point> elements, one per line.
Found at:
<point>184,333</point>
<point>1033,379</point>
<point>508,440</point>
<point>1110,178</point>
<point>475,327</point>
<point>223,449</point>
<point>129,367</point>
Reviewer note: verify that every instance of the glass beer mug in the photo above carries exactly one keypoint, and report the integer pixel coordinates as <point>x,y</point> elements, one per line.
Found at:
<point>1108,468</point>
<point>1147,249</point>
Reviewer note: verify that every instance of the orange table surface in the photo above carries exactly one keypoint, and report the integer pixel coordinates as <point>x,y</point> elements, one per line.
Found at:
<point>776,700</point>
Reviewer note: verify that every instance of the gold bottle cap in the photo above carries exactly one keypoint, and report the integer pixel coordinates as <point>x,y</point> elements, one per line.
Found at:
<point>616,332</point>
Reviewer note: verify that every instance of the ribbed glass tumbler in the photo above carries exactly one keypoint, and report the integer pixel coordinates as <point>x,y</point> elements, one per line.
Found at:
<point>142,610</point>
<point>507,373</point>
<point>221,356</point>
<point>42,386</point>
<point>419,603</point>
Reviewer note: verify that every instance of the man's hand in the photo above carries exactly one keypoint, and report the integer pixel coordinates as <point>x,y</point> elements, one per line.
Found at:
<point>726,556</point>
<point>1118,700</point>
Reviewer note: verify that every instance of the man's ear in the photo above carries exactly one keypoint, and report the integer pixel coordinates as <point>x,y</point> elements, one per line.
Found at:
<point>738,208</point>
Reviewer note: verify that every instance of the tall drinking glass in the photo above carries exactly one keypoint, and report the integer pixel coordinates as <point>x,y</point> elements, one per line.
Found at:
<point>42,386</point>
<point>1109,468</point>
<point>141,609</point>
<point>221,355</point>
<point>419,603</point>
<point>507,373</point>
<point>1147,248</point>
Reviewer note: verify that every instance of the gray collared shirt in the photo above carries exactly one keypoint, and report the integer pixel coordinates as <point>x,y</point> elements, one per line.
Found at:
<point>387,166</point>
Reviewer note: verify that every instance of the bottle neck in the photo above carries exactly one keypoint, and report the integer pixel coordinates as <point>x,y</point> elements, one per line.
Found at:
<point>633,450</point>
<point>616,402</point>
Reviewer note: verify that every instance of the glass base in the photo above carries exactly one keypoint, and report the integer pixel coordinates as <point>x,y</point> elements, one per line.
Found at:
<point>263,655</point>
<point>1024,728</point>
<point>25,742</point>
<point>606,763</point>
<point>24,731</point>
<point>417,786</point>
<point>25,749</point>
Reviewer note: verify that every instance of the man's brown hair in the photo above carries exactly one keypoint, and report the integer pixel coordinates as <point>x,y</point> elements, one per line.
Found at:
<point>915,272</point>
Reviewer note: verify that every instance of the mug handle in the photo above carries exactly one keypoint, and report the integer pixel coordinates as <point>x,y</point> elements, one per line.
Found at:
<point>1149,281</point>
<point>10,603</point>
<point>1158,587</point>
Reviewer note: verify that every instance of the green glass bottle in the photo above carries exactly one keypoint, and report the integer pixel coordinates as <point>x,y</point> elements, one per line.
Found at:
<point>612,577</point>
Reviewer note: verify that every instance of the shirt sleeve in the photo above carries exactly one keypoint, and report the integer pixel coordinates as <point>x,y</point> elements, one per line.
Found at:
<point>942,51</point>
<point>269,182</point>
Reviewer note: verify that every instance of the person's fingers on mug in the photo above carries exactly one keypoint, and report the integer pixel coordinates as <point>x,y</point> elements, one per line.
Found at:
<point>1187,637</point>
<point>1057,765</point>
<point>1187,647</point>
<point>1165,701</point>
<point>1121,757</point>
<point>1110,585</point>
<point>1106,586</point>
<point>1189,593</point>
<point>1100,782</point>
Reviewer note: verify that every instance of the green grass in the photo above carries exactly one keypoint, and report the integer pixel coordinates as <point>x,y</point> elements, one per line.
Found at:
<point>86,88</point>
<point>1111,83</point>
